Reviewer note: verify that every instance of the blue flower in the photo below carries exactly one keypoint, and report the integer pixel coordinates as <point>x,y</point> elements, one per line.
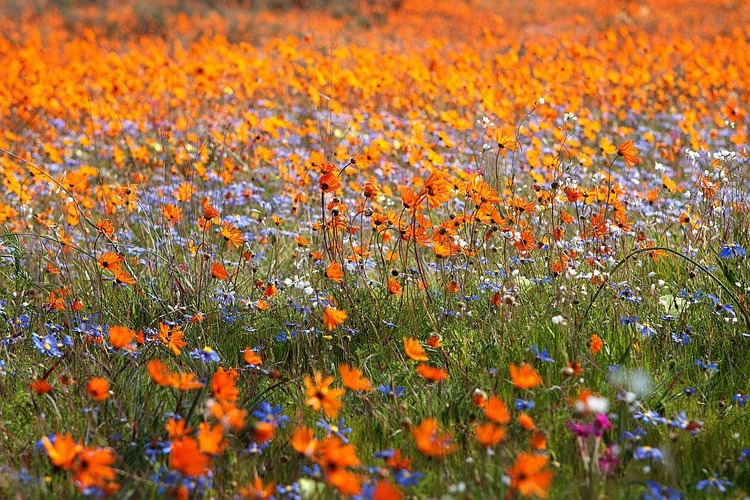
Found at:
<point>48,345</point>
<point>20,323</point>
<point>270,414</point>
<point>405,478</point>
<point>714,482</point>
<point>649,416</point>
<point>645,329</point>
<point>648,453</point>
<point>290,491</point>
<point>541,356</point>
<point>391,391</point>
<point>338,429</point>
<point>207,355</point>
<point>657,491</point>
<point>732,251</point>
<point>681,339</point>
<point>524,405</point>
<point>741,400</point>
<point>712,367</point>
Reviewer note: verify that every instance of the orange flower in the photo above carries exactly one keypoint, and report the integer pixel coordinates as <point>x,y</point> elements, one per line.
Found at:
<point>628,152</point>
<point>209,211</point>
<point>123,277</point>
<point>431,373</point>
<point>223,385</point>
<point>110,261</point>
<point>435,340</point>
<point>98,389</point>
<point>320,395</point>
<point>263,432</point>
<point>177,428</point>
<point>232,235</point>
<point>353,379</point>
<point>63,452</point>
<point>227,414</point>
<point>218,271</point>
<point>490,434</point>
<point>538,440</point>
<point>528,477</point>
<point>94,468</point>
<point>329,183</point>
<point>595,344</point>
<point>334,272</point>
<point>172,337</point>
<point>385,490</point>
<point>394,288</point>
<point>414,350</point>
<point>524,376</point>
<point>252,358</point>
<point>159,372</point>
<point>40,386</point>
<point>496,410</point>
<point>429,442</point>
<point>332,317</point>
<point>210,439</point>
<point>257,491</point>
<point>172,213</point>
<point>526,422</point>
<point>187,459</point>
<point>303,441</point>
<point>437,189</point>
<point>334,458</point>
<point>121,337</point>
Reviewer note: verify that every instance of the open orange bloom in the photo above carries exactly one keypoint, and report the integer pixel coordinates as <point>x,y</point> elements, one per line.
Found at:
<point>354,379</point>
<point>595,344</point>
<point>177,429</point>
<point>232,235</point>
<point>121,337</point>
<point>320,395</point>
<point>414,350</point>
<point>303,441</point>
<point>187,459</point>
<point>94,468</point>
<point>385,490</point>
<point>528,477</point>
<point>218,271</point>
<point>223,385</point>
<point>63,452</point>
<point>437,189</point>
<point>227,414</point>
<point>172,213</point>
<point>524,376</point>
<point>329,183</point>
<point>172,337</point>
<point>429,442</point>
<point>334,458</point>
<point>431,373</point>
<point>628,152</point>
<point>496,410</point>
<point>110,260</point>
<point>257,491</point>
<point>211,439</point>
<point>334,272</point>
<point>98,389</point>
<point>251,357</point>
<point>332,317</point>
<point>490,434</point>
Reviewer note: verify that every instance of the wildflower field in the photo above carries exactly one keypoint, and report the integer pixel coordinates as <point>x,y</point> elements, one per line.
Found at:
<point>379,250</point>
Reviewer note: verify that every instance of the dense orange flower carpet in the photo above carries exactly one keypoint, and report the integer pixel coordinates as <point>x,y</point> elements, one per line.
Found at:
<point>385,249</point>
